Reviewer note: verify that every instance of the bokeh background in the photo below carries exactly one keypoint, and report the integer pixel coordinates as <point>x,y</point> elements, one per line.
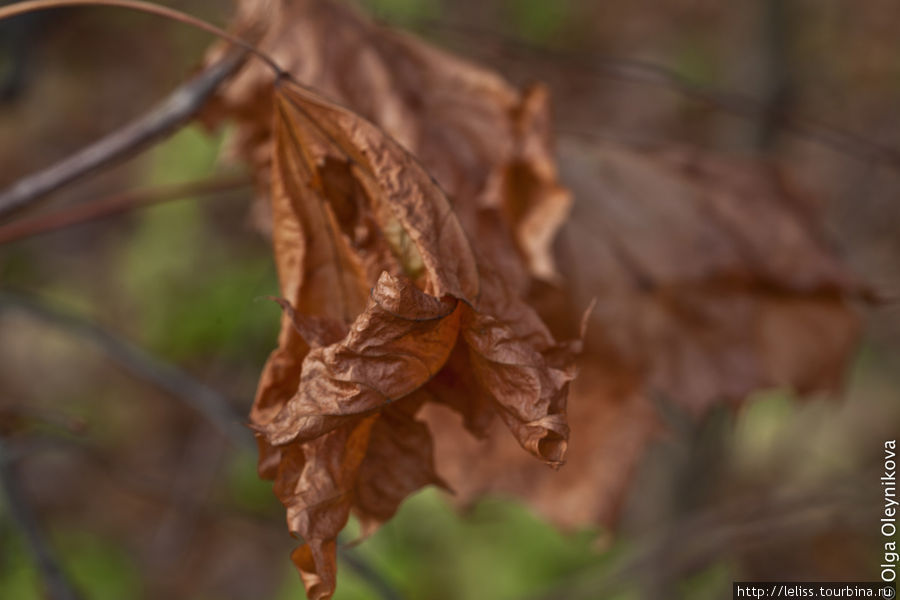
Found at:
<point>141,497</point>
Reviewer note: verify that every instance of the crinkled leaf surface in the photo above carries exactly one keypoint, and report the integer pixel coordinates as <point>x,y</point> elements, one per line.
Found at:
<point>486,143</point>
<point>409,228</point>
<point>337,402</point>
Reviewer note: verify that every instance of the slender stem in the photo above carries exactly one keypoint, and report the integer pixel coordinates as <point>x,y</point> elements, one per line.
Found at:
<point>166,117</point>
<point>58,586</point>
<point>369,574</point>
<point>146,7</point>
<point>112,205</point>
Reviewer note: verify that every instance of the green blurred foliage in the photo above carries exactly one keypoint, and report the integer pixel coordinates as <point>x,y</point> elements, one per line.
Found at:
<point>194,295</point>
<point>96,566</point>
<point>537,20</point>
<point>695,59</point>
<point>710,584</point>
<point>400,11</point>
<point>499,550</point>
<point>762,422</point>
<point>244,489</point>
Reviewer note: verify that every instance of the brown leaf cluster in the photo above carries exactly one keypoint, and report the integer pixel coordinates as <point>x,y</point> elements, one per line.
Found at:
<point>414,200</point>
<point>337,403</point>
<point>388,303</point>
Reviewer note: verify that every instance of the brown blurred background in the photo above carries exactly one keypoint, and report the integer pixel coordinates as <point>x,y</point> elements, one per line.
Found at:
<point>141,497</point>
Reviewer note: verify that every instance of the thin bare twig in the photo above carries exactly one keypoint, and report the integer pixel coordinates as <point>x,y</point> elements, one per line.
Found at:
<point>57,585</point>
<point>113,205</point>
<point>206,401</point>
<point>152,8</point>
<point>169,115</point>
<point>367,573</point>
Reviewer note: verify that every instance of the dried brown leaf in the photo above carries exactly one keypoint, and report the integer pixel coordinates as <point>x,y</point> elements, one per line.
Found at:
<point>337,401</point>
<point>395,347</point>
<point>407,232</point>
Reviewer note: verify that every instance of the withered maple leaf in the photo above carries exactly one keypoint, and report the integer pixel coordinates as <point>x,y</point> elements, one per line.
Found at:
<point>395,307</point>
<point>404,295</point>
<point>381,287</point>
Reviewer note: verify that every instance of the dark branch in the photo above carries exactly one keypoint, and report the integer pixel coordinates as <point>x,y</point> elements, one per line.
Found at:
<point>169,115</point>
<point>179,384</point>
<point>57,585</point>
<point>367,573</point>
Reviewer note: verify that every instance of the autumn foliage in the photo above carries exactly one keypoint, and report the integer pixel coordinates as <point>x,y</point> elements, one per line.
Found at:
<point>434,292</point>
